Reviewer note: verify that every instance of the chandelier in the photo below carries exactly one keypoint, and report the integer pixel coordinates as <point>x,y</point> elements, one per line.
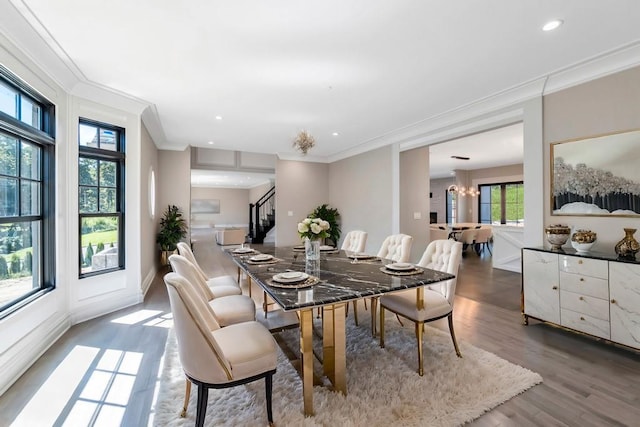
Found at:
<point>462,191</point>
<point>304,142</point>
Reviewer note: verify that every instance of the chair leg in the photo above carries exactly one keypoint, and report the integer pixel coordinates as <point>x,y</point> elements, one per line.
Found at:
<point>419,339</point>
<point>453,335</point>
<point>381,326</point>
<point>268,385</point>
<point>489,248</point>
<point>203,397</point>
<point>355,311</point>
<point>399,321</point>
<point>265,305</point>
<point>187,394</point>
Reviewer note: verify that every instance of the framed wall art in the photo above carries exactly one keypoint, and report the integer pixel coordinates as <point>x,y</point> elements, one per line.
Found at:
<point>596,176</point>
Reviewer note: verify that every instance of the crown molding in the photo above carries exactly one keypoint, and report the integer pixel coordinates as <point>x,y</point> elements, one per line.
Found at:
<point>305,158</point>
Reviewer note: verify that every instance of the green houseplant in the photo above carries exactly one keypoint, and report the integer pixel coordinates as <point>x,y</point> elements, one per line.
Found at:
<point>332,216</point>
<point>173,228</point>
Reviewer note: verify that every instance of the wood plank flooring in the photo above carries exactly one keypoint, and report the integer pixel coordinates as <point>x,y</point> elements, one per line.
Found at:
<point>586,382</point>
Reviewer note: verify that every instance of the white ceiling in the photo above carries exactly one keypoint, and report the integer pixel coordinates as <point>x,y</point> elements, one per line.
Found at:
<point>366,69</point>
<point>498,147</point>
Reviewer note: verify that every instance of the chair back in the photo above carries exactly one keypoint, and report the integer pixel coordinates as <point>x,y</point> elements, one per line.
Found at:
<point>443,255</point>
<point>186,269</point>
<point>396,247</point>
<point>200,355</point>
<point>185,250</point>
<point>467,236</point>
<point>354,241</point>
<point>484,234</point>
<point>438,234</point>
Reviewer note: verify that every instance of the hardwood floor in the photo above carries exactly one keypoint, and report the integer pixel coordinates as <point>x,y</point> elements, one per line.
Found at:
<point>106,369</point>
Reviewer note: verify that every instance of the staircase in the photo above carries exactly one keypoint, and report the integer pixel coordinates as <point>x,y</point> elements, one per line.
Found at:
<point>262,216</point>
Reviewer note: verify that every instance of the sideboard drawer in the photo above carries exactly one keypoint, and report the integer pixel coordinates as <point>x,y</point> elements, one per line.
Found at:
<point>586,285</point>
<point>585,323</point>
<point>595,307</point>
<point>586,266</point>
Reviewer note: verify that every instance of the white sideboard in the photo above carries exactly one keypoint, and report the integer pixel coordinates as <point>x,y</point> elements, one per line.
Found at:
<point>596,294</point>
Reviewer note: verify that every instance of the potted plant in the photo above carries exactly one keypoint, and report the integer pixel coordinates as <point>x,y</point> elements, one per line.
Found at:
<point>331,215</point>
<point>173,228</point>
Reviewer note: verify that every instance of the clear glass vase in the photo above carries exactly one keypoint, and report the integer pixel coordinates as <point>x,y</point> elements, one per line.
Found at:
<point>312,249</point>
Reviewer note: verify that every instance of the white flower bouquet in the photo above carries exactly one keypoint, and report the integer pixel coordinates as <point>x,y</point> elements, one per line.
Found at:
<point>313,228</point>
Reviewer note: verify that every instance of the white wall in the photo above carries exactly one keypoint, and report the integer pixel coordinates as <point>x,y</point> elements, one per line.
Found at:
<point>149,260</point>
<point>361,188</point>
<point>174,182</point>
<point>606,105</point>
<point>234,207</point>
<point>302,186</point>
<point>414,198</point>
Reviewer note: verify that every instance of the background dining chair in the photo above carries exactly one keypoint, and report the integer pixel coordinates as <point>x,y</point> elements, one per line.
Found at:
<point>220,285</point>
<point>354,241</point>
<point>467,238</point>
<point>483,238</point>
<point>428,303</point>
<point>215,357</point>
<point>228,309</point>
<point>396,247</point>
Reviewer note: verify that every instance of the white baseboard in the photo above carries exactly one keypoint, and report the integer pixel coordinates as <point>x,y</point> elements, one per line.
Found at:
<point>146,283</point>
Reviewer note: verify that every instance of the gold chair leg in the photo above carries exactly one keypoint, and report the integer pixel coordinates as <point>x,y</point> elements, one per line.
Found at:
<point>265,305</point>
<point>249,281</point>
<point>187,394</point>
<point>420,355</point>
<point>381,327</point>
<point>355,311</point>
<point>374,306</point>
<point>453,335</point>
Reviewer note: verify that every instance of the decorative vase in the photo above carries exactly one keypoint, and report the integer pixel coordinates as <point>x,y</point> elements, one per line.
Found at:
<point>312,249</point>
<point>628,246</point>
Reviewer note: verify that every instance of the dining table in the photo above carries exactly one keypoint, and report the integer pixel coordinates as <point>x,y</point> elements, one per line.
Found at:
<point>329,283</point>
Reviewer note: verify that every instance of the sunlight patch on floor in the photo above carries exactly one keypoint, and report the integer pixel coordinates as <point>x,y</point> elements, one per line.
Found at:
<point>137,317</point>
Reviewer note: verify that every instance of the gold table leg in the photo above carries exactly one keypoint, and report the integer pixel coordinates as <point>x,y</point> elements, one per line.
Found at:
<point>306,352</point>
<point>374,307</point>
<point>334,359</point>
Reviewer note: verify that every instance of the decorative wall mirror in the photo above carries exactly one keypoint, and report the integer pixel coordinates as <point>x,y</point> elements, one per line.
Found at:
<point>596,176</point>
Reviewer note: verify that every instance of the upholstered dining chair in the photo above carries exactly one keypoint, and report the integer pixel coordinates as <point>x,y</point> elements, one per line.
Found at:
<point>483,238</point>
<point>354,241</point>
<point>215,357</point>
<point>431,302</point>
<point>228,309</point>
<point>220,285</point>
<point>396,247</point>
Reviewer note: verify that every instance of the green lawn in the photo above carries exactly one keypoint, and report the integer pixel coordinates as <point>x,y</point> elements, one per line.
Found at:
<point>106,237</point>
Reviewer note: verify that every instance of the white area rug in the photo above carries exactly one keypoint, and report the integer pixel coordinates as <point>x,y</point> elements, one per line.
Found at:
<point>383,385</point>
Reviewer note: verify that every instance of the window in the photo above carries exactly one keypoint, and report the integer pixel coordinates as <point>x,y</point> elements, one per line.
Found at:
<point>100,197</point>
<point>27,248</point>
<point>502,203</point>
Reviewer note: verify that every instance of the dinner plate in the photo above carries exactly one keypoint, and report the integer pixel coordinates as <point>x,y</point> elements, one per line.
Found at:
<point>400,266</point>
<point>242,250</point>
<point>326,248</point>
<point>261,257</point>
<point>361,256</point>
<point>290,277</point>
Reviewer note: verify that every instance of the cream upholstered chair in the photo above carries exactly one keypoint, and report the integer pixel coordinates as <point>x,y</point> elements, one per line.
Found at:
<point>215,357</point>
<point>483,238</point>
<point>396,247</point>
<point>220,286</point>
<point>354,241</point>
<point>228,309</point>
<point>431,302</point>
<point>467,237</point>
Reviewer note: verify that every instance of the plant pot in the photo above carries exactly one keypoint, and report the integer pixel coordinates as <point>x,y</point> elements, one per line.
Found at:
<point>164,257</point>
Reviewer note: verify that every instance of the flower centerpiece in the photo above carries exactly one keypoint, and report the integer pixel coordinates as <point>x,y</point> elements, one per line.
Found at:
<point>312,230</point>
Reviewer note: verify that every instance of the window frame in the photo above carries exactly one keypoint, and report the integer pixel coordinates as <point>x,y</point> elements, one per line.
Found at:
<point>43,138</point>
<point>503,205</point>
<point>117,157</point>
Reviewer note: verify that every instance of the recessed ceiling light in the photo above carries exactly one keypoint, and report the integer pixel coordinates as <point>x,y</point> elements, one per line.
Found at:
<point>335,134</point>
<point>218,117</point>
<point>211,143</point>
<point>552,25</point>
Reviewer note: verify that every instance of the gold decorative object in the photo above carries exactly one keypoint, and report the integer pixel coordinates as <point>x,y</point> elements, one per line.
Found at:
<point>557,235</point>
<point>583,240</point>
<point>628,246</point>
<point>304,142</point>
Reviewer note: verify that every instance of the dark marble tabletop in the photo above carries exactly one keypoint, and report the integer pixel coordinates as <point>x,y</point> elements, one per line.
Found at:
<point>340,279</point>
